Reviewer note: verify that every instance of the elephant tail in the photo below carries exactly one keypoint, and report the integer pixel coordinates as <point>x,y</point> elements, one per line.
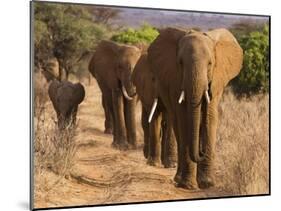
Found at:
<point>91,66</point>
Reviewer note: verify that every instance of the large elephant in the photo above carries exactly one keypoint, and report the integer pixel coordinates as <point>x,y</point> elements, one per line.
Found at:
<point>112,65</point>
<point>159,140</point>
<point>66,97</point>
<point>191,69</point>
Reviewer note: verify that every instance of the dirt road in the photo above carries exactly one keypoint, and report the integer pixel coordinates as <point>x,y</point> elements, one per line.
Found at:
<point>103,175</point>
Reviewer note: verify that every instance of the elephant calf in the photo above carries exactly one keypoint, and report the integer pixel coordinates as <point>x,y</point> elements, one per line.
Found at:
<point>159,141</point>
<point>66,97</point>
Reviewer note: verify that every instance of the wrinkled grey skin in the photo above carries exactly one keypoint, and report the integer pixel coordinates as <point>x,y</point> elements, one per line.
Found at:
<point>66,97</point>
<point>112,65</point>
<point>198,64</point>
<point>159,140</point>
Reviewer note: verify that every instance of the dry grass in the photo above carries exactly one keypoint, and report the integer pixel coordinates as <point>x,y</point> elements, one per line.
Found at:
<point>54,150</point>
<point>241,165</point>
<point>243,145</point>
<point>53,158</point>
<point>40,93</point>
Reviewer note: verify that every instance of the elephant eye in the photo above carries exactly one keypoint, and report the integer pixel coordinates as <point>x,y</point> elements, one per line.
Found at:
<point>209,64</point>
<point>181,62</point>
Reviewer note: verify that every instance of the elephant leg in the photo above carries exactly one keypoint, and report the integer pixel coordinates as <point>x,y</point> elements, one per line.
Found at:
<point>58,118</point>
<point>108,116</point>
<point>178,175</point>
<point>61,121</point>
<point>119,140</point>
<point>73,116</point>
<point>205,171</point>
<point>130,120</point>
<point>111,111</point>
<point>154,157</point>
<point>186,171</point>
<point>163,140</point>
<point>145,127</point>
<point>168,144</point>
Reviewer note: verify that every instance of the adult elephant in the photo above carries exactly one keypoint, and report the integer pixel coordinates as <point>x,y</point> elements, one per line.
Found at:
<point>159,141</point>
<point>66,97</point>
<point>112,65</point>
<point>191,69</point>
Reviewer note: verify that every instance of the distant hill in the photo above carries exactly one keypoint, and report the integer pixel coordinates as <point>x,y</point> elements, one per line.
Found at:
<point>159,18</point>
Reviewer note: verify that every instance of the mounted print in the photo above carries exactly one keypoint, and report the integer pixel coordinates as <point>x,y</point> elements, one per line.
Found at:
<point>141,105</point>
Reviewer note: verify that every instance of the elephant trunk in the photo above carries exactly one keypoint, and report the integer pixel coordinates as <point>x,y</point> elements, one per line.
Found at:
<point>198,94</point>
<point>195,154</point>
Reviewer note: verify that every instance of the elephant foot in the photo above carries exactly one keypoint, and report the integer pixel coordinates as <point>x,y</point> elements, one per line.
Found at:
<point>108,131</point>
<point>132,141</point>
<point>169,164</point>
<point>153,162</point>
<point>120,146</point>
<point>205,176</point>
<point>133,146</point>
<point>205,182</point>
<point>177,178</point>
<point>189,184</point>
<point>145,152</point>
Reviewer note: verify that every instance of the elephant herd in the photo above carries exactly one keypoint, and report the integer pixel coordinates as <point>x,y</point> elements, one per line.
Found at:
<point>179,81</point>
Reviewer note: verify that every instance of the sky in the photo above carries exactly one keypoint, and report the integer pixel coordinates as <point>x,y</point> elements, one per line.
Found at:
<point>134,17</point>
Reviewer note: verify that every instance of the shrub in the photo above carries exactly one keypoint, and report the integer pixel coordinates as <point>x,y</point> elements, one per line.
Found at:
<point>242,149</point>
<point>254,76</point>
<point>53,149</point>
<point>145,34</point>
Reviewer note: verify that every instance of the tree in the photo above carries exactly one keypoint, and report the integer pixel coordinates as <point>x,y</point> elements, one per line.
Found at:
<point>254,76</point>
<point>144,35</point>
<point>245,27</point>
<point>42,44</point>
<point>67,31</point>
<point>103,15</point>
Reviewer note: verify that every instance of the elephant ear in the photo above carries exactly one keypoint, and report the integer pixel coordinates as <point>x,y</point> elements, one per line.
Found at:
<point>143,79</point>
<point>52,91</point>
<point>79,93</point>
<point>109,47</point>
<point>105,60</point>
<point>162,54</point>
<point>228,57</point>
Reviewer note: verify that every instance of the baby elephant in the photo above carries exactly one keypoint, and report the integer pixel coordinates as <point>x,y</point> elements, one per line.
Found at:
<point>66,97</point>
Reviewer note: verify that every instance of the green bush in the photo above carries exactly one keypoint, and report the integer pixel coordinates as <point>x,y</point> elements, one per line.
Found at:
<point>254,76</point>
<point>145,34</point>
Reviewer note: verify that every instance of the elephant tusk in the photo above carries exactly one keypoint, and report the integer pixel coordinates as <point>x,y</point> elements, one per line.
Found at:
<point>152,109</point>
<point>181,97</point>
<point>207,96</point>
<point>125,93</point>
